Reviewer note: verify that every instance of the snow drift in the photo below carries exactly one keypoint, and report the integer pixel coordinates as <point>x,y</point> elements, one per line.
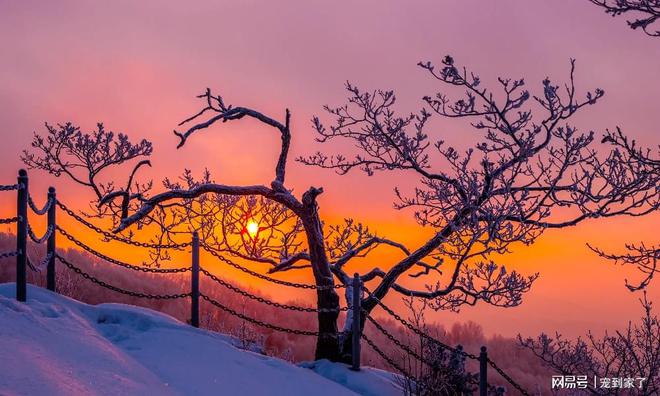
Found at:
<point>53,345</point>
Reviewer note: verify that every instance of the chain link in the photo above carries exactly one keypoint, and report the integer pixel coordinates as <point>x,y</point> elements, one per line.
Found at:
<point>47,235</point>
<point>41,265</point>
<point>398,343</point>
<point>46,260</point>
<point>117,262</point>
<point>260,323</point>
<point>265,301</point>
<point>117,289</point>
<point>10,187</point>
<point>31,266</point>
<point>265,277</point>
<point>507,377</point>
<point>112,236</point>
<point>417,331</point>
<point>9,220</point>
<point>8,254</point>
<point>382,354</point>
<point>43,210</point>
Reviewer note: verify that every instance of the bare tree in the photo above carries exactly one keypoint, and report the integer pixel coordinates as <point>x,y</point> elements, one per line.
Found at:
<point>642,256</point>
<point>646,13</point>
<point>85,157</point>
<point>66,150</point>
<point>521,176</point>
<point>632,354</point>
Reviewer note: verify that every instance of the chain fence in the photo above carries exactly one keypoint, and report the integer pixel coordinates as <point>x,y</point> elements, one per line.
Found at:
<point>215,303</point>
<point>257,321</point>
<point>117,262</point>
<point>417,331</point>
<point>31,266</point>
<point>195,294</point>
<point>398,343</point>
<point>472,379</point>
<point>266,301</point>
<point>39,267</point>
<point>37,240</point>
<point>101,283</point>
<point>383,355</point>
<point>110,235</point>
<point>507,378</point>
<point>8,254</point>
<point>214,278</point>
<point>9,220</point>
<point>10,187</point>
<point>43,210</point>
<point>427,337</point>
<point>265,277</point>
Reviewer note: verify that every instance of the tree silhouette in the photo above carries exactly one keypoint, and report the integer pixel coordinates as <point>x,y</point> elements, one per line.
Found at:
<point>633,353</point>
<point>86,157</point>
<point>522,175</point>
<point>642,256</point>
<point>646,13</point>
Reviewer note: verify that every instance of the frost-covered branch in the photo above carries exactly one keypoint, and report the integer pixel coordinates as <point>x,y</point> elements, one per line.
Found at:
<point>224,113</point>
<point>643,256</point>
<point>85,158</point>
<point>521,176</point>
<point>644,13</point>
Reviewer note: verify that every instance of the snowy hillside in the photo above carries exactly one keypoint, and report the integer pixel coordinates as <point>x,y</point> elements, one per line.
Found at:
<point>57,346</point>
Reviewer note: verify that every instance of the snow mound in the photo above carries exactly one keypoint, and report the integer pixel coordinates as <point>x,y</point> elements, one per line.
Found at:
<point>368,381</point>
<point>53,345</point>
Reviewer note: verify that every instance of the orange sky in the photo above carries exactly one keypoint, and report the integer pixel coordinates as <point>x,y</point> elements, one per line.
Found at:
<point>137,67</point>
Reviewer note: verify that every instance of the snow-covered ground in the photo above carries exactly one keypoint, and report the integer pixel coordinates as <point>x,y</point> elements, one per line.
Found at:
<point>57,346</point>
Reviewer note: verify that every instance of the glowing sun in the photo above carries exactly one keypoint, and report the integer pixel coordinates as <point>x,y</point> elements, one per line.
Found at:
<point>252,228</point>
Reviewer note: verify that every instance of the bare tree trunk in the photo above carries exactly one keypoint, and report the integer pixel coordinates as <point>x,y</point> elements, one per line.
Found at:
<point>327,344</point>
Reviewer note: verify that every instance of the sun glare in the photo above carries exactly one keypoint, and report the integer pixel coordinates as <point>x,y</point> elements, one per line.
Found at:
<point>252,228</point>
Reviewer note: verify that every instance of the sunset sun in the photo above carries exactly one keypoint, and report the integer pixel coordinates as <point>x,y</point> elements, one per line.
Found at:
<point>252,228</point>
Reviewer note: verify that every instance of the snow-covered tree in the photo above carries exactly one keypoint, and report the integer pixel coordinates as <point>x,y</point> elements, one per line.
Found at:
<point>526,170</point>
<point>632,354</point>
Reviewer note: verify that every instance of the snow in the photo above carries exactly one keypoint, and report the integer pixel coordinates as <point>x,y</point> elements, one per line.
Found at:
<point>53,345</point>
<point>367,382</point>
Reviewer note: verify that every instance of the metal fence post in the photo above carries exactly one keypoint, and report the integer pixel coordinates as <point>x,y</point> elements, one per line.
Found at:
<point>194,296</point>
<point>21,236</point>
<point>50,249</point>
<point>357,310</point>
<point>483,372</point>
